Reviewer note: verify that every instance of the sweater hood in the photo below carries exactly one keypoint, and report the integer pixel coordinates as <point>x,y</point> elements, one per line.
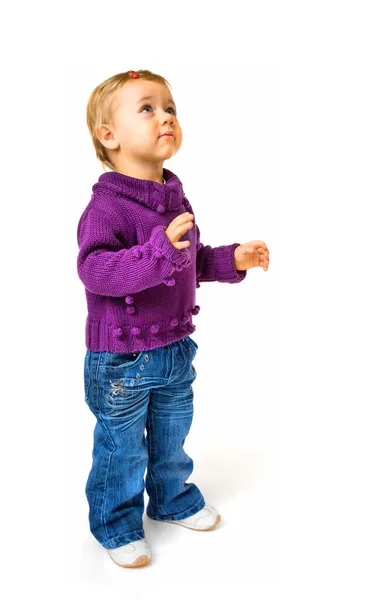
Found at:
<point>160,197</point>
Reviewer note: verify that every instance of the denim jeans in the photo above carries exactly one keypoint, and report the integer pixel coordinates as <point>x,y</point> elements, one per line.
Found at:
<point>127,393</point>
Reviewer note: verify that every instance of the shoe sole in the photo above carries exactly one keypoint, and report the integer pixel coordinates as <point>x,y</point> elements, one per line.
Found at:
<point>196,528</point>
<point>139,562</point>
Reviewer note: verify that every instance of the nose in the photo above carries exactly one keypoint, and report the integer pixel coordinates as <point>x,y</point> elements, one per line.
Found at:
<point>165,116</point>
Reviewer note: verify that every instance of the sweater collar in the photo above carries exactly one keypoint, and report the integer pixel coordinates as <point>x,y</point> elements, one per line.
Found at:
<point>157,196</point>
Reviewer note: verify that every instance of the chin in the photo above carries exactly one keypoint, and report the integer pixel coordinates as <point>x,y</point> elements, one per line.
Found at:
<point>169,153</point>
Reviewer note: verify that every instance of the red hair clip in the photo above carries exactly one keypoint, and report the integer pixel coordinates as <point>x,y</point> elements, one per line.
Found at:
<point>132,74</point>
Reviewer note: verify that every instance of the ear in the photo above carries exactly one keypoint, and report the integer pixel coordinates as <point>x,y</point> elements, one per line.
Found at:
<point>106,137</point>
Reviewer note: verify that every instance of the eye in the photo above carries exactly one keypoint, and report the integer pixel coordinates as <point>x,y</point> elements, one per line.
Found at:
<point>148,106</point>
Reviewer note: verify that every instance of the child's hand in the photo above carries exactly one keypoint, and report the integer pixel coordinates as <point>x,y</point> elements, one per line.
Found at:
<point>251,254</point>
<point>178,227</point>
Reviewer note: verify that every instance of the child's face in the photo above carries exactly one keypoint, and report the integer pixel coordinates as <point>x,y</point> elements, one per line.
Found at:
<point>137,126</point>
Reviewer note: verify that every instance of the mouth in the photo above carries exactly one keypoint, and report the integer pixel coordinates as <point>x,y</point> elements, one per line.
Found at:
<point>167,135</point>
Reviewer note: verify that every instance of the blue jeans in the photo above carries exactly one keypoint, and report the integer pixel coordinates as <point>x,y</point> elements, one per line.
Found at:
<point>127,393</point>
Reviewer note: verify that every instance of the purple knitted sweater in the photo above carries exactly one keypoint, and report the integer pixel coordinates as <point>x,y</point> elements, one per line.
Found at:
<point>140,289</point>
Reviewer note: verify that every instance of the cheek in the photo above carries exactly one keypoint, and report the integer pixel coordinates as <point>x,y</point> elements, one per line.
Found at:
<point>179,136</point>
<point>128,131</point>
<point>137,135</point>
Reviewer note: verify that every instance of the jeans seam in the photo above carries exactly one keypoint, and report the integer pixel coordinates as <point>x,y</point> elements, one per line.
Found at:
<point>88,361</point>
<point>150,458</point>
<point>100,390</point>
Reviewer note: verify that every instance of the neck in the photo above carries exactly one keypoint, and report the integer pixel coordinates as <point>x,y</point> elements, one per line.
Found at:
<point>161,198</point>
<point>151,172</point>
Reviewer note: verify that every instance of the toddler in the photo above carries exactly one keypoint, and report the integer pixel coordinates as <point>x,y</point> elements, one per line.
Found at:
<point>141,259</point>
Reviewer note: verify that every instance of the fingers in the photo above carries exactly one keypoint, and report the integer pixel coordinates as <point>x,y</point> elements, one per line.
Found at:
<point>184,218</point>
<point>259,252</point>
<point>257,244</point>
<point>178,227</point>
<point>180,245</point>
<point>181,229</point>
<point>253,249</point>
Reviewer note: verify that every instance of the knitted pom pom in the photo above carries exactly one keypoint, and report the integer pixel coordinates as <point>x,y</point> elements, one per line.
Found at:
<point>129,299</point>
<point>160,209</point>
<point>131,310</point>
<point>136,251</point>
<point>169,282</point>
<point>173,322</point>
<point>154,328</point>
<point>118,332</point>
<point>135,330</point>
<point>196,309</point>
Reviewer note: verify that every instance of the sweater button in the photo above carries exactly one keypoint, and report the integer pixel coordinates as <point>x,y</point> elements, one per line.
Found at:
<point>160,209</point>
<point>118,332</point>
<point>154,328</point>
<point>173,322</point>
<point>129,299</point>
<point>135,330</point>
<point>169,282</point>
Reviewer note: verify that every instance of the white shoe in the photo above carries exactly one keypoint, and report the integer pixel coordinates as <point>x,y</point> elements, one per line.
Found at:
<point>204,520</point>
<point>134,554</point>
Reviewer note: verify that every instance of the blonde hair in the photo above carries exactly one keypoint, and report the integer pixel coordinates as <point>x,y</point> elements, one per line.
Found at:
<point>100,106</point>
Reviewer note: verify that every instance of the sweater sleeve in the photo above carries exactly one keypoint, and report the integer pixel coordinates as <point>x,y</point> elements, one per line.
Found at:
<point>216,264</point>
<point>108,268</point>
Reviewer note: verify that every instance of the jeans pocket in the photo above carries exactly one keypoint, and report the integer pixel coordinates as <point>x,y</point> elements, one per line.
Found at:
<point>115,362</point>
<point>124,379</point>
<point>192,343</point>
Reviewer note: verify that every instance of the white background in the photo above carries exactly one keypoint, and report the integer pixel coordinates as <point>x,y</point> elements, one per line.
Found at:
<point>285,115</point>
